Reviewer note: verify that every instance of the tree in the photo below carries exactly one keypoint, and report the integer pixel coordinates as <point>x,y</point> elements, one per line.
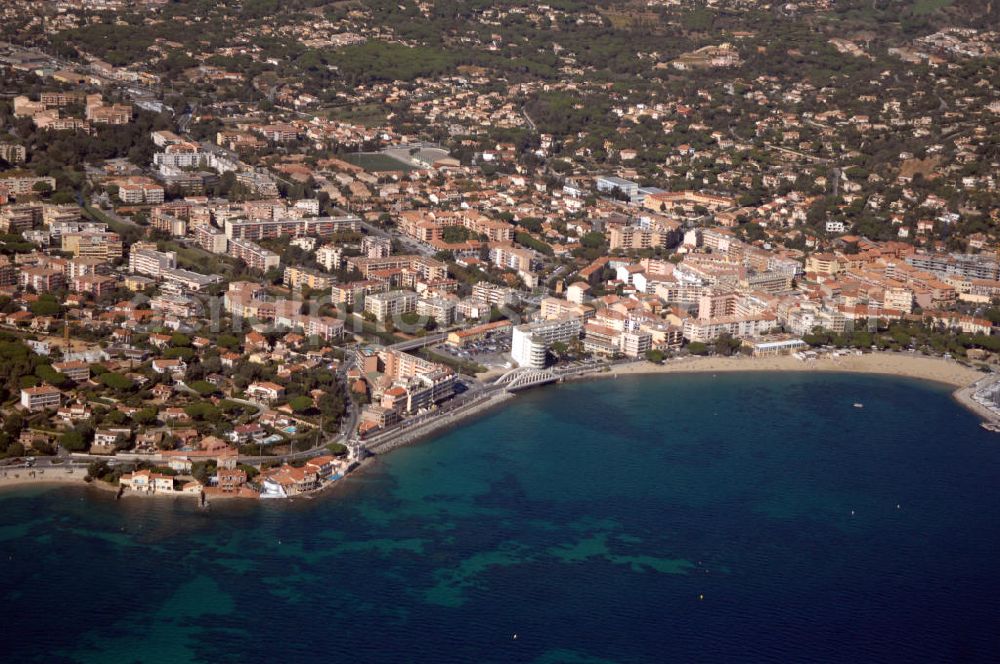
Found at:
<point>74,441</point>
<point>455,234</point>
<point>230,407</point>
<point>249,470</point>
<point>145,416</point>
<point>46,305</point>
<point>300,404</point>
<point>726,345</point>
<point>180,339</point>
<point>697,348</point>
<point>228,341</point>
<point>182,353</point>
<point>203,470</point>
<point>13,424</point>
<point>527,240</point>
<point>655,355</point>
<point>98,470</point>
<point>116,381</point>
<point>114,418</point>
<point>51,376</point>
<point>816,338</point>
<point>203,411</point>
<point>592,240</point>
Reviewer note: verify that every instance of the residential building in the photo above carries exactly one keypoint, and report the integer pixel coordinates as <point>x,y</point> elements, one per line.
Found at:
<point>441,310</point>
<point>255,256</point>
<point>74,370</point>
<point>530,342</point>
<point>390,304</point>
<point>39,398</point>
<point>297,278</point>
<point>259,229</point>
<point>144,258</point>
<point>330,257</point>
<point>265,391</point>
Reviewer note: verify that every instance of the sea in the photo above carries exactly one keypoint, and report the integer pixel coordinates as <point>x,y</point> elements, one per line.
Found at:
<point>681,518</point>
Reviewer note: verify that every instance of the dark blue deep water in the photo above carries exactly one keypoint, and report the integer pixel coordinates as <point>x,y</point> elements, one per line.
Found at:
<point>660,519</point>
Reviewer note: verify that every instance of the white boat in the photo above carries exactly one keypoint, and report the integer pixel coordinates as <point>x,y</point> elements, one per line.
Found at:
<point>859,405</point>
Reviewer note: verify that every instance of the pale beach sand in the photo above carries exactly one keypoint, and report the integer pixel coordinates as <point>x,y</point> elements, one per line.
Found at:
<point>15,477</point>
<point>895,364</point>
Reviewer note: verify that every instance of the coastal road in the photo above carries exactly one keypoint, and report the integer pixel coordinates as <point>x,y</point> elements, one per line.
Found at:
<point>42,463</point>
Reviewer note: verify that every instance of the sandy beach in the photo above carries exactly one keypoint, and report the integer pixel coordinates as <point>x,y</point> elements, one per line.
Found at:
<point>894,364</point>
<point>17,477</point>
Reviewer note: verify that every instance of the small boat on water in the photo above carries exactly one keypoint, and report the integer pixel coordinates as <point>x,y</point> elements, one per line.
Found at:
<point>859,405</point>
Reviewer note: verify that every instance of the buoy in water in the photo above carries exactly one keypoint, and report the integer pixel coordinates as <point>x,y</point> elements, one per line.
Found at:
<point>701,597</point>
<point>515,637</point>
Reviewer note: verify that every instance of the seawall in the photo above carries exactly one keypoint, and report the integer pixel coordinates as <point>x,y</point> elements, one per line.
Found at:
<point>400,437</point>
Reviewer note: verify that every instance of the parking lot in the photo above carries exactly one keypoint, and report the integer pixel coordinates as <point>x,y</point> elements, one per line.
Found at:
<point>492,351</point>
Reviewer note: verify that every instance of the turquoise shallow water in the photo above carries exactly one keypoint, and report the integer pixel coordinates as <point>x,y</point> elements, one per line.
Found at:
<point>684,518</point>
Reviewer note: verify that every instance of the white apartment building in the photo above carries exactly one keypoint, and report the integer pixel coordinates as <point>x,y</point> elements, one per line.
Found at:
<point>330,257</point>
<point>530,342</point>
<point>374,246</point>
<point>145,259</point>
<point>39,398</point>
<point>308,205</point>
<point>740,327</point>
<point>393,303</point>
<point>635,344</point>
<point>254,255</point>
<point>437,308</point>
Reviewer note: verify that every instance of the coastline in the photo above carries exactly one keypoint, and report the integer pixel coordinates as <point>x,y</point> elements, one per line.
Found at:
<point>905,365</point>
<point>964,381</point>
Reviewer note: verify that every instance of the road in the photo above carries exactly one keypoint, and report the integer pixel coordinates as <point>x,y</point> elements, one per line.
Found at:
<point>802,155</point>
<point>531,123</point>
<point>420,342</point>
<point>43,462</point>
<point>411,245</point>
<point>185,120</point>
<point>115,217</point>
